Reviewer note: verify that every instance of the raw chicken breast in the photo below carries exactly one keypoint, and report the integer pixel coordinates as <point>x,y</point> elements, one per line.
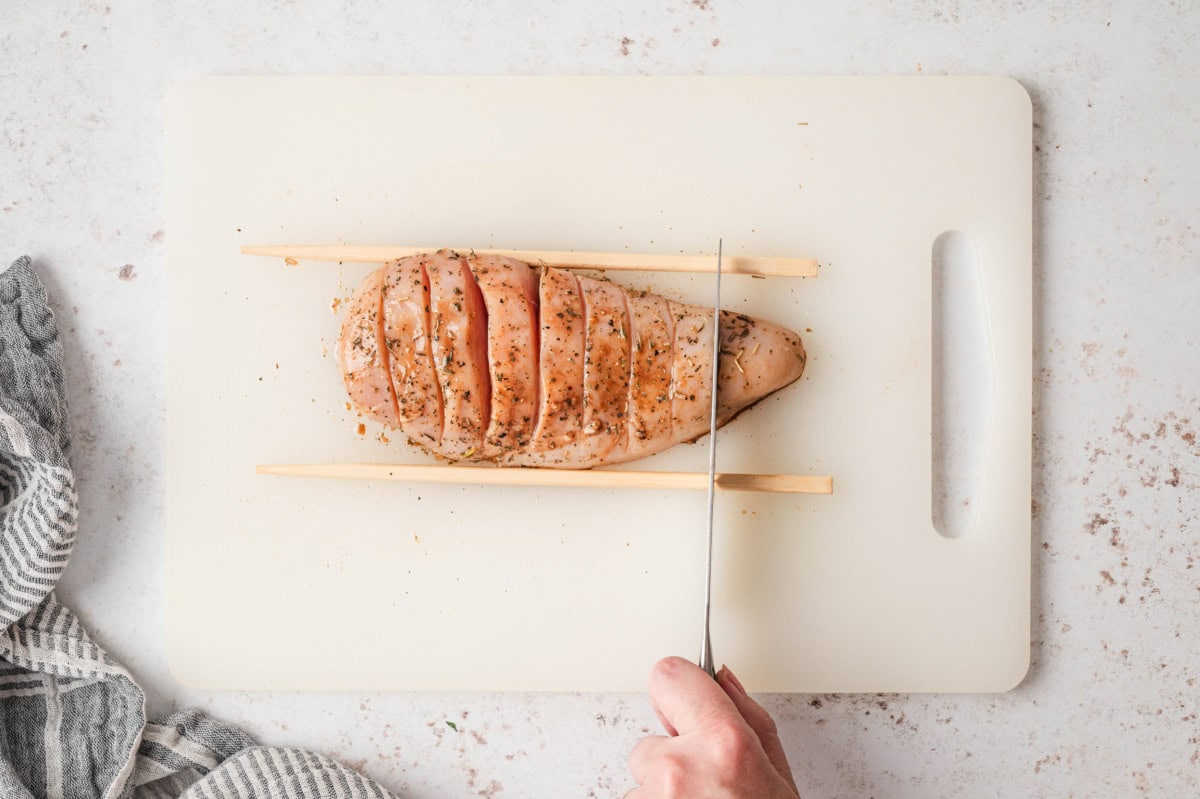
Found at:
<point>486,358</point>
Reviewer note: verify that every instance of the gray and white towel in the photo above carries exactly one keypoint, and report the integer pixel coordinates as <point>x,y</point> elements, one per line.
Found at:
<point>72,719</point>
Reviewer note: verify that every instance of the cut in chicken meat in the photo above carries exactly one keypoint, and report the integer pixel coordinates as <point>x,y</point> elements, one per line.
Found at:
<point>510,294</point>
<point>605,369</point>
<point>410,356</point>
<point>488,358</point>
<point>691,372</point>
<point>652,344</point>
<point>561,367</point>
<point>458,321</point>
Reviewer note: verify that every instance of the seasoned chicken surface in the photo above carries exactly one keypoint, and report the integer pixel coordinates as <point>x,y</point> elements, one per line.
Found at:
<point>486,358</point>
<point>560,364</point>
<point>510,295</point>
<point>406,337</point>
<point>459,341</point>
<point>363,358</point>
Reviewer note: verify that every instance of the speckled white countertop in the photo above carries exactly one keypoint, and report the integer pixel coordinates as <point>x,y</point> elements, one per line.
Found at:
<point>1110,704</point>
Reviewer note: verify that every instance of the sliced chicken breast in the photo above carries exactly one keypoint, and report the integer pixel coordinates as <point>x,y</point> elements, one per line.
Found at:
<point>488,358</point>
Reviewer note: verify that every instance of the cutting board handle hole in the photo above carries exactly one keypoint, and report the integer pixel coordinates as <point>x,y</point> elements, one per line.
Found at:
<point>963,376</point>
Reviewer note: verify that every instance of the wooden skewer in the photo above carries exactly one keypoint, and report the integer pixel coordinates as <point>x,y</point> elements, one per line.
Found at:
<point>566,478</point>
<point>615,261</point>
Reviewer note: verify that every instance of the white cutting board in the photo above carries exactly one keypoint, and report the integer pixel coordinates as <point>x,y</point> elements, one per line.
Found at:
<point>311,584</point>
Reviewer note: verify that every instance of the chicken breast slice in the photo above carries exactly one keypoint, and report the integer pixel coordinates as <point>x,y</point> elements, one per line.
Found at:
<point>691,371</point>
<point>510,293</point>
<point>560,422</point>
<point>363,360</point>
<point>458,322</point>
<point>651,344</point>
<point>605,370</point>
<point>410,355</point>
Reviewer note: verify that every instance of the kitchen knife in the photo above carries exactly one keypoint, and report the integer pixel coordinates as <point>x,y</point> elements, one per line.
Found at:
<point>706,658</point>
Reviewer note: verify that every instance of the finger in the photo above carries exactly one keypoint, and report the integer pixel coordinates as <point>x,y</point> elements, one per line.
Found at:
<point>759,720</point>
<point>666,725</point>
<point>685,698</point>
<point>644,753</point>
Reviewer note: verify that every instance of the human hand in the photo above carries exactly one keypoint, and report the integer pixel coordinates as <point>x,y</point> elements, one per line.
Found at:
<point>720,743</point>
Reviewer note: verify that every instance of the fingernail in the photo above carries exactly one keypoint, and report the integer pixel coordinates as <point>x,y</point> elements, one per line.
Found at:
<point>737,684</point>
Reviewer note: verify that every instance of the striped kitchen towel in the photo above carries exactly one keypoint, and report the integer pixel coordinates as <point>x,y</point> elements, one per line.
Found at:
<point>73,720</point>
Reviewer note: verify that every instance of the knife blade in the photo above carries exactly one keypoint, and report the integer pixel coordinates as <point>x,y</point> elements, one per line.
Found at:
<point>706,658</point>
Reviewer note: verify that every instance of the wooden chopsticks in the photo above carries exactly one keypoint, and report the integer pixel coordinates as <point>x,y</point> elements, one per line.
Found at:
<point>560,478</point>
<point>613,261</point>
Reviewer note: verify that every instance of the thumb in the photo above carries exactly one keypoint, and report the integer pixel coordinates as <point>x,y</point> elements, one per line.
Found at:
<point>759,720</point>
<point>685,698</point>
